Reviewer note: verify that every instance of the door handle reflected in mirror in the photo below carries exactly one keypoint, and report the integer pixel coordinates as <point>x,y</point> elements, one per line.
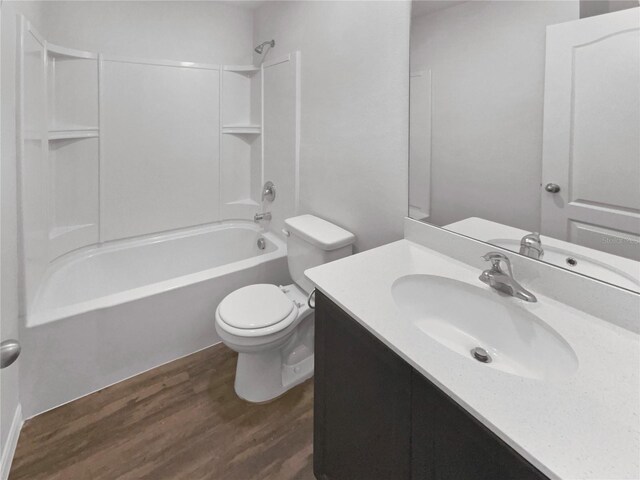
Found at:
<point>9,352</point>
<point>552,188</point>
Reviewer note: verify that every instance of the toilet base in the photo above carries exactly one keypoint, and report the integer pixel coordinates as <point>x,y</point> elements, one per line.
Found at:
<point>264,376</point>
<point>262,389</point>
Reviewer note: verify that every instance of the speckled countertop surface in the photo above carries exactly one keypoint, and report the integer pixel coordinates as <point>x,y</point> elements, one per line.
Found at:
<point>583,427</point>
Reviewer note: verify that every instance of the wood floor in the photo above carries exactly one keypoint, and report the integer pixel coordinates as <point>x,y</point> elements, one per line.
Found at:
<point>179,421</point>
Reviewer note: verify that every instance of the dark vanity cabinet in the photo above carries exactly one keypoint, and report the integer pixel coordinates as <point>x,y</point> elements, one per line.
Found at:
<point>377,418</point>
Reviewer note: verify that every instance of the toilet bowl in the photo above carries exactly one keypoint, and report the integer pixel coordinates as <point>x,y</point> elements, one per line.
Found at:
<point>271,327</point>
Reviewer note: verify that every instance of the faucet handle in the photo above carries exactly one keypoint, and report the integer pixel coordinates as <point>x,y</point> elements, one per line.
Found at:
<point>269,192</point>
<point>495,258</point>
<point>531,238</point>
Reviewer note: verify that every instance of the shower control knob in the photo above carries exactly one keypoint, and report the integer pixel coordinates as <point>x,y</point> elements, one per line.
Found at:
<point>269,192</point>
<point>9,352</point>
<point>552,188</point>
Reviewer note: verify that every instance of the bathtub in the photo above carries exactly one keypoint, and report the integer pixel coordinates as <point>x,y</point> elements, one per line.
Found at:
<point>108,312</point>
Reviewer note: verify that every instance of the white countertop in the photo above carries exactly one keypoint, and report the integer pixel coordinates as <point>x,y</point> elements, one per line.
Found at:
<point>584,427</point>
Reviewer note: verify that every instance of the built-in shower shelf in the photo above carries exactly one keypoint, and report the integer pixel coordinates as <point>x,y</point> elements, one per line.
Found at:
<point>245,201</point>
<point>75,133</point>
<point>242,129</point>
<point>57,51</point>
<point>243,69</point>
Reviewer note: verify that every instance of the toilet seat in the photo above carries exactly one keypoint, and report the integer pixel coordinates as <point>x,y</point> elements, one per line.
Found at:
<point>256,310</point>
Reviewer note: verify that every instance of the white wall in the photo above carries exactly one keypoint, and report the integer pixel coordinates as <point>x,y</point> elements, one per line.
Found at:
<point>9,311</point>
<point>280,137</point>
<point>206,32</point>
<point>589,8</point>
<point>354,118</point>
<point>160,148</point>
<point>487,63</point>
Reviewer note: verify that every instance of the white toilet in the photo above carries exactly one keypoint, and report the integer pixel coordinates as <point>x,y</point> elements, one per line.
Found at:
<point>271,327</point>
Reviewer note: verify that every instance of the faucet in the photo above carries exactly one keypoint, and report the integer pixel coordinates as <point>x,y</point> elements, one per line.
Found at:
<point>503,281</point>
<point>531,246</point>
<point>262,216</point>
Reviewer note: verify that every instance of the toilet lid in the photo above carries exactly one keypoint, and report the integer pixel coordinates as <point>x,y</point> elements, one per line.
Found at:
<point>255,306</point>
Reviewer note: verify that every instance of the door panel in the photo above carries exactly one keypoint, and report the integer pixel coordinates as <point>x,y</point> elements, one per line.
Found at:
<point>619,243</point>
<point>592,133</point>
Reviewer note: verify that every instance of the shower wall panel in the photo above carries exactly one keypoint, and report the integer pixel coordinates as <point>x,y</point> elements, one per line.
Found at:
<point>281,127</point>
<point>160,147</point>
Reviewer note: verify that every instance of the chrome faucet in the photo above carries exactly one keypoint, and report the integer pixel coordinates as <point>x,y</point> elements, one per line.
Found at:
<point>503,281</point>
<point>531,246</point>
<point>262,216</point>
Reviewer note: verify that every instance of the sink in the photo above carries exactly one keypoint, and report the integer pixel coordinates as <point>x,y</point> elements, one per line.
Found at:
<point>594,263</point>
<point>577,263</point>
<point>463,317</point>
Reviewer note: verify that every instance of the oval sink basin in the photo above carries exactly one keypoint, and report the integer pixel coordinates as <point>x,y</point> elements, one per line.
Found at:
<point>577,263</point>
<point>463,317</point>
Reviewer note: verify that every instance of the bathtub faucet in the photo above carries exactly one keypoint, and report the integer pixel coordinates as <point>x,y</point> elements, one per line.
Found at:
<point>262,216</point>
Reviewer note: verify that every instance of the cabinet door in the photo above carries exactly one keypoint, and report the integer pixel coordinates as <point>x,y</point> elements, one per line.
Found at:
<point>362,409</point>
<point>450,444</point>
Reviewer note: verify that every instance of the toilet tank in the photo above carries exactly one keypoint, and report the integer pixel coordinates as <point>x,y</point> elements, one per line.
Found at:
<point>312,241</point>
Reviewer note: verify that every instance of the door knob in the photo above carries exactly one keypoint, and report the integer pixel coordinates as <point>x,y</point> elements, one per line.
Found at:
<point>9,352</point>
<point>552,188</point>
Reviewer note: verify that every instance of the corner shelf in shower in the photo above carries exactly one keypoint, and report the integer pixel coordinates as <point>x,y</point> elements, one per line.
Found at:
<point>247,70</point>
<point>245,201</point>
<point>242,129</point>
<point>73,133</point>
<point>64,52</point>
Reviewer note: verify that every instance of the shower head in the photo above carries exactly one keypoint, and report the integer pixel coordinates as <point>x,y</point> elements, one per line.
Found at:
<point>260,48</point>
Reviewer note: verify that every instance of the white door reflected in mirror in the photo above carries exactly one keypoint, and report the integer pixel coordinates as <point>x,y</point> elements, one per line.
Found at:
<point>526,115</point>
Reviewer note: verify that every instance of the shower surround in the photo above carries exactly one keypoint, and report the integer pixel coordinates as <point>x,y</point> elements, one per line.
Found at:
<point>139,178</point>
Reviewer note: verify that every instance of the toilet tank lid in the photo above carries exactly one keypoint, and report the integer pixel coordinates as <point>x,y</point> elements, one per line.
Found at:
<point>319,232</point>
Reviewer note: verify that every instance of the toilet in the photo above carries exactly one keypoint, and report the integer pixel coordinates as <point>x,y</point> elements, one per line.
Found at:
<point>271,327</point>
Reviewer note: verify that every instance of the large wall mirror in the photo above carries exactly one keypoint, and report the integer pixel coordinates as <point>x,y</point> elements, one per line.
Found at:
<point>525,130</point>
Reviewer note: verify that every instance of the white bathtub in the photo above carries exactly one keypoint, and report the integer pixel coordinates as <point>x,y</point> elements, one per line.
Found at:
<point>108,312</point>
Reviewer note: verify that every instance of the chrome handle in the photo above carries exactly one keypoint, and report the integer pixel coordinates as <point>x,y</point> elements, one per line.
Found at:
<point>258,217</point>
<point>9,352</point>
<point>552,188</point>
<point>495,258</point>
<point>269,192</point>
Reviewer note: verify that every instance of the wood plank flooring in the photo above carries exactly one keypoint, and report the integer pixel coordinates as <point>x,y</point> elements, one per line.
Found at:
<point>182,420</point>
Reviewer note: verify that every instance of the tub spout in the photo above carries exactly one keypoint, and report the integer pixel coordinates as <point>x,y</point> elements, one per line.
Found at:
<point>262,216</point>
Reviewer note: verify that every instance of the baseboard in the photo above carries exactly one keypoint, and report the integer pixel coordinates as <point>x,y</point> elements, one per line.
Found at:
<point>10,445</point>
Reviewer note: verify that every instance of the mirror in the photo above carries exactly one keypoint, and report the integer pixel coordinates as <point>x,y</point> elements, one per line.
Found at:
<point>525,120</point>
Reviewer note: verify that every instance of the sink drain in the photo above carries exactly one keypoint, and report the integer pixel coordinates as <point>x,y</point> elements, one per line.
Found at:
<point>572,262</point>
<point>481,355</point>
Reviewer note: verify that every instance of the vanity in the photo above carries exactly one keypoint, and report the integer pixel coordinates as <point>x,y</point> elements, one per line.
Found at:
<point>399,393</point>
<point>372,406</point>
<point>431,363</point>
